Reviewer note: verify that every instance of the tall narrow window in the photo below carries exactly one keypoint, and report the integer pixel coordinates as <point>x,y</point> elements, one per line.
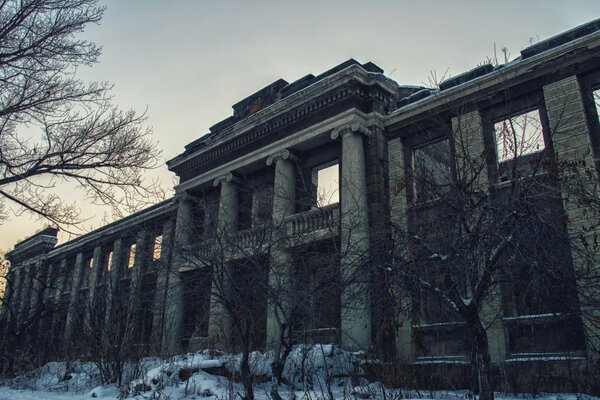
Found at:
<point>519,135</point>
<point>433,171</point>
<point>596,95</point>
<point>157,247</point>
<point>131,258</point>
<point>109,260</point>
<point>326,184</point>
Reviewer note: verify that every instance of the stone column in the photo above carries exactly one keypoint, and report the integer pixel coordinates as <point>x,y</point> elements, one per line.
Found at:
<point>11,291</point>
<point>219,323</point>
<point>572,146</point>
<point>139,265</point>
<point>95,279</point>
<point>25,288</point>
<point>354,236</point>
<point>281,267</point>
<point>49,309</point>
<point>73,301</point>
<point>162,281</point>
<point>36,297</point>
<point>173,323</point>
<point>112,280</point>
<point>56,333</point>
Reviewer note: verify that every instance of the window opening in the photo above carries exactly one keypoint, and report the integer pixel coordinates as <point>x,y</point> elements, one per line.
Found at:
<point>596,97</point>
<point>157,248</point>
<point>326,184</point>
<point>109,260</point>
<point>519,135</point>
<point>131,258</point>
<point>433,171</point>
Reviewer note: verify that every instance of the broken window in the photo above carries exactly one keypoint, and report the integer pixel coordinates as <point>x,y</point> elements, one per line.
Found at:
<point>596,98</point>
<point>156,247</point>
<point>131,256</point>
<point>262,204</point>
<point>432,170</point>
<point>519,135</point>
<point>326,184</point>
<point>109,260</point>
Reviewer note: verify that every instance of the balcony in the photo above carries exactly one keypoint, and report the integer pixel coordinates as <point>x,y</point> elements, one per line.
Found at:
<point>314,225</point>
<point>299,229</point>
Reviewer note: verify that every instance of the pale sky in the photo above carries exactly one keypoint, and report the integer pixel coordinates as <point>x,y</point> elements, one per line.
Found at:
<point>187,62</point>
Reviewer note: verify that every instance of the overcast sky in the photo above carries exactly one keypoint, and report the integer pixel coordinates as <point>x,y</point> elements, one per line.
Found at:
<point>186,62</point>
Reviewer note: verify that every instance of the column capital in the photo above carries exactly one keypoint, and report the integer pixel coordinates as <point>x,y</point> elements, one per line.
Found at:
<point>283,155</point>
<point>225,178</point>
<point>181,197</point>
<point>352,127</point>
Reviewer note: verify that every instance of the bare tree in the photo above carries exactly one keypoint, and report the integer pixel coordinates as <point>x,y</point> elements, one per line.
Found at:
<point>54,128</point>
<point>471,251</point>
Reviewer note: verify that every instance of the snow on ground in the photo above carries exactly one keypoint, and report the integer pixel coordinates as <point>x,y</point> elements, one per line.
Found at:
<point>311,371</point>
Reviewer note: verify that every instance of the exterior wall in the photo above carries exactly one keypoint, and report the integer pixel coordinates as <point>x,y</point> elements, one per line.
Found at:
<point>215,226</point>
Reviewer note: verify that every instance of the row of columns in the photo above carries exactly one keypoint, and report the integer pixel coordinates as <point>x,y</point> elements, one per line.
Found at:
<point>36,292</point>
<point>168,316</point>
<point>354,237</point>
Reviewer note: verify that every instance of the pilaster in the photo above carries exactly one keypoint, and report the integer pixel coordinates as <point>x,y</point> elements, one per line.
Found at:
<point>405,349</point>
<point>471,159</point>
<point>579,179</point>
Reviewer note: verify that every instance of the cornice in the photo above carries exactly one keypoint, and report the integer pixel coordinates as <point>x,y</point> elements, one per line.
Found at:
<point>513,72</point>
<point>126,224</point>
<point>305,96</point>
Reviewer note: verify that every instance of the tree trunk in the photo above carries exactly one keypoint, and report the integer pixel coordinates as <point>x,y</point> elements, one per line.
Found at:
<point>245,371</point>
<point>482,360</point>
<point>281,354</point>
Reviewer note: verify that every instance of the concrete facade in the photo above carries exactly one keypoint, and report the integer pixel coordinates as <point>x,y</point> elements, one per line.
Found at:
<point>246,245</point>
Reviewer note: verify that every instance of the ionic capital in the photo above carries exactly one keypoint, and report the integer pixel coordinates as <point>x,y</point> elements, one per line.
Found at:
<point>284,155</point>
<point>353,127</point>
<point>225,178</point>
<point>182,197</point>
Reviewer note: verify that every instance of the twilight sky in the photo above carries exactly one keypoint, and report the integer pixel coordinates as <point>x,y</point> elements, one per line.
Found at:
<point>187,61</point>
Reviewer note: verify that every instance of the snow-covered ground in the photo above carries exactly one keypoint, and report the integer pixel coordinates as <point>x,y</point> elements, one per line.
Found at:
<point>311,372</point>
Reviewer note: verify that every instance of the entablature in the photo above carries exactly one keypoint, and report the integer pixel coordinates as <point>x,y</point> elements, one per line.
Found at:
<point>351,88</point>
<point>515,78</point>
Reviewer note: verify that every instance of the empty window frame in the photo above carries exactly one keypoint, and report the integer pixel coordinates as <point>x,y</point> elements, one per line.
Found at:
<point>131,256</point>
<point>520,134</point>
<point>326,183</point>
<point>432,167</point>
<point>109,257</point>
<point>157,247</point>
<point>596,99</point>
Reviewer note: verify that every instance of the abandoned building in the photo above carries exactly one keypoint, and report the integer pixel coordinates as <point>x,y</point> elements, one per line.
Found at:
<point>294,193</point>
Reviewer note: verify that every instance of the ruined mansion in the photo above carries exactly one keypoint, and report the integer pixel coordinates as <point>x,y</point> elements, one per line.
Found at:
<point>325,210</point>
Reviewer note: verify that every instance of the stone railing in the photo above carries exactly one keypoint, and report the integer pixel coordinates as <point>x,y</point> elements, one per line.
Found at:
<point>300,228</point>
<point>250,238</point>
<point>325,218</point>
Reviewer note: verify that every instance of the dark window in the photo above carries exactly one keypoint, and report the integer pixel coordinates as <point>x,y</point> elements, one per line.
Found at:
<point>432,170</point>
